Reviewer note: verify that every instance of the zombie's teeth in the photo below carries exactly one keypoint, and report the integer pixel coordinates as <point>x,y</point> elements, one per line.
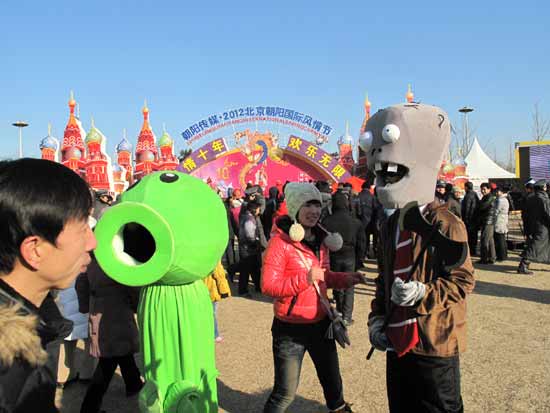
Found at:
<point>392,167</point>
<point>378,166</point>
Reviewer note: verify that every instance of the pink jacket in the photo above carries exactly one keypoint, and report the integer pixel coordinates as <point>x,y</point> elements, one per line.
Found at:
<point>284,276</point>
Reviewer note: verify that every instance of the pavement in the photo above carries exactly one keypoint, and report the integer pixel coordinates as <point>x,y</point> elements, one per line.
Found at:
<point>506,367</point>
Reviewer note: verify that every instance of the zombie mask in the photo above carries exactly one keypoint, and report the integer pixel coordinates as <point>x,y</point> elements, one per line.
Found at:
<point>405,145</point>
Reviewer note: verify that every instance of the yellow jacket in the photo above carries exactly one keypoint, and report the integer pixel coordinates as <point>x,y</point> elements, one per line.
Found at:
<point>217,284</point>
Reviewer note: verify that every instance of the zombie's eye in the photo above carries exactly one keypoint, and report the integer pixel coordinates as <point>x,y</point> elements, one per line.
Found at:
<point>391,133</point>
<point>365,141</point>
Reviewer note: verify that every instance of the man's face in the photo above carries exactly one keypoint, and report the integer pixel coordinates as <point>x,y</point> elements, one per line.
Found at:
<point>485,190</point>
<point>70,257</point>
<point>440,189</point>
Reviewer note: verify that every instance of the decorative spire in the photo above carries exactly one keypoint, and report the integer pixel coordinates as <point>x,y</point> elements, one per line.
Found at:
<point>145,110</point>
<point>124,133</point>
<point>93,123</point>
<point>72,103</point>
<point>163,127</point>
<point>367,104</point>
<point>409,96</point>
<point>49,129</point>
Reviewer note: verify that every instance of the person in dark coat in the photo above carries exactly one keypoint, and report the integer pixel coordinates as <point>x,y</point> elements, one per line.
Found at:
<point>113,333</point>
<point>271,205</point>
<point>366,213</point>
<point>486,221</point>
<point>230,257</point>
<point>45,242</point>
<point>469,208</point>
<point>251,243</point>
<point>536,221</point>
<point>350,257</point>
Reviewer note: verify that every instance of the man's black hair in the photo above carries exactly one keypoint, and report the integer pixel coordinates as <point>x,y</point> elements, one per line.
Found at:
<point>365,185</point>
<point>469,186</point>
<point>485,185</point>
<point>37,197</point>
<point>252,206</point>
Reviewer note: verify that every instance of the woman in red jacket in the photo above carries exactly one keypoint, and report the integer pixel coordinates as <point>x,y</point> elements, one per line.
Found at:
<point>297,256</point>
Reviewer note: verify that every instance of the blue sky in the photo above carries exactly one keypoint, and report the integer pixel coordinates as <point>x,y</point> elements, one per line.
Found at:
<point>190,60</point>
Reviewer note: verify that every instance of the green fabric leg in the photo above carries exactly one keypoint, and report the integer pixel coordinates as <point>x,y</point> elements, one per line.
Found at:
<point>176,325</point>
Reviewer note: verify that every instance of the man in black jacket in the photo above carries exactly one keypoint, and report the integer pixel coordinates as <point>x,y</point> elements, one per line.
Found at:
<point>536,221</point>
<point>45,242</point>
<point>486,219</point>
<point>469,207</point>
<point>350,256</point>
<point>365,213</point>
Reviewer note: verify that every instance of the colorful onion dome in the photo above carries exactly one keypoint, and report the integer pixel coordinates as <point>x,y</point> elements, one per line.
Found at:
<point>165,140</point>
<point>75,154</point>
<point>49,142</point>
<point>94,135</point>
<point>124,146</point>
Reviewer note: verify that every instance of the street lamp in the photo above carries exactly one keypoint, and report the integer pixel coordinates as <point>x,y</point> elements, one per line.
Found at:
<point>466,140</point>
<point>20,124</point>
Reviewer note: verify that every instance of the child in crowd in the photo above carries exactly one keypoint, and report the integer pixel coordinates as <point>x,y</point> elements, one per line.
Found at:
<point>219,288</point>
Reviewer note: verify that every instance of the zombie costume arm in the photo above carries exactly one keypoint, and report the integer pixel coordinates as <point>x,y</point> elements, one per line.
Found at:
<point>447,289</point>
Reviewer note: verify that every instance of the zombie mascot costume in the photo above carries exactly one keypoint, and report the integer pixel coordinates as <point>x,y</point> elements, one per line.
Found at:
<point>167,234</point>
<point>425,273</point>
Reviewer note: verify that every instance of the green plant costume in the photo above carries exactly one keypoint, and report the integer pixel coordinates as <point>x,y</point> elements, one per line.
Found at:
<point>167,234</point>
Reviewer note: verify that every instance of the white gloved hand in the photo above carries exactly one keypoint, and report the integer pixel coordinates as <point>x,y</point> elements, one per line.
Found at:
<point>407,294</point>
<point>376,336</point>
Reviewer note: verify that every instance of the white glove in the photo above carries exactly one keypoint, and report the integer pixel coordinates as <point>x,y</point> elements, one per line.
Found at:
<point>407,294</point>
<point>376,336</point>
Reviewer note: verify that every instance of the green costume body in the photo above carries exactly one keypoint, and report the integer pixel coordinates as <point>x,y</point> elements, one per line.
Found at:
<point>167,234</point>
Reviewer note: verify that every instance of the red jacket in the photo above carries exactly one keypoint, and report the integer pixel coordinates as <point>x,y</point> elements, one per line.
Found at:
<point>284,276</point>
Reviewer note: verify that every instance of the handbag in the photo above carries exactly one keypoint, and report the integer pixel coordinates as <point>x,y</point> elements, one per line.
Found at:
<point>336,330</point>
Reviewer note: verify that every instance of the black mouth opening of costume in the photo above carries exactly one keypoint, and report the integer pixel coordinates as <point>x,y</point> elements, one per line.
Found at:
<point>388,173</point>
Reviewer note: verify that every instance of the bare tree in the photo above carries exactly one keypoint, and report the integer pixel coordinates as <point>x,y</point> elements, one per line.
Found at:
<point>462,140</point>
<point>541,126</point>
<point>184,153</point>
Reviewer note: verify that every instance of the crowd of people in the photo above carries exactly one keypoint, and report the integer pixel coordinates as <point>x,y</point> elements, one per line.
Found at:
<point>283,243</point>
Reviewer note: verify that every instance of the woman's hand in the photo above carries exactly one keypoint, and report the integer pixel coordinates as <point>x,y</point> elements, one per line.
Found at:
<point>356,278</point>
<point>316,274</point>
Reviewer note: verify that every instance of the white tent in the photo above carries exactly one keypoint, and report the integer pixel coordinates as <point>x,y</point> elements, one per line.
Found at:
<point>480,168</point>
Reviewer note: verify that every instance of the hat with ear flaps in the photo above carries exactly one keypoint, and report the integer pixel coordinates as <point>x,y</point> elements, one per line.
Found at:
<point>297,194</point>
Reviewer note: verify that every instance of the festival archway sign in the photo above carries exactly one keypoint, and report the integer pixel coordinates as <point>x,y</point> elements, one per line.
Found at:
<point>246,145</point>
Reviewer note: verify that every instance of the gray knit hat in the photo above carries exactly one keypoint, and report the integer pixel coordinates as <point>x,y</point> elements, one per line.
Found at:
<point>297,194</point>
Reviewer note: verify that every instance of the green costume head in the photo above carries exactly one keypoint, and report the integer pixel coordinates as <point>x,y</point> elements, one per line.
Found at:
<point>169,228</point>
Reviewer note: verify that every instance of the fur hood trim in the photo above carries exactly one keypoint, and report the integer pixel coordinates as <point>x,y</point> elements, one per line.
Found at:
<point>19,337</point>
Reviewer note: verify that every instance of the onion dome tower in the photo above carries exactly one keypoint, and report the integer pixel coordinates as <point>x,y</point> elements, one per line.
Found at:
<point>146,149</point>
<point>124,157</point>
<point>99,173</point>
<point>361,169</point>
<point>73,152</point>
<point>49,146</point>
<point>120,182</point>
<point>167,159</point>
<point>345,150</point>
